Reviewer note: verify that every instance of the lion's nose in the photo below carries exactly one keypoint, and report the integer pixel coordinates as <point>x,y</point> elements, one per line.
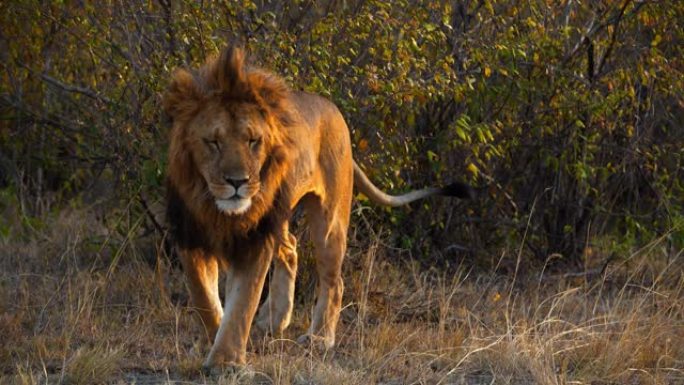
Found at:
<point>236,182</point>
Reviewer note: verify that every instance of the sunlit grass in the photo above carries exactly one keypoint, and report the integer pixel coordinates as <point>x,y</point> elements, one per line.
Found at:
<point>67,317</point>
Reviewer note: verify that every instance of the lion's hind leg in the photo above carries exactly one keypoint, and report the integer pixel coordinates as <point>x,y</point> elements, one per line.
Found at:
<point>329,234</point>
<point>276,312</point>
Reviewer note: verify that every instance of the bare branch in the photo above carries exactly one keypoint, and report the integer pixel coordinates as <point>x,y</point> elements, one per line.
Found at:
<point>75,89</point>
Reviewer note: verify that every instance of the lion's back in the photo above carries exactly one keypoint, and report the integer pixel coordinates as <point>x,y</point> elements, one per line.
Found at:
<point>314,108</point>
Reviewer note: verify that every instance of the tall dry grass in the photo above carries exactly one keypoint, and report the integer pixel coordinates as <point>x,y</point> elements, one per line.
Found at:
<point>80,304</point>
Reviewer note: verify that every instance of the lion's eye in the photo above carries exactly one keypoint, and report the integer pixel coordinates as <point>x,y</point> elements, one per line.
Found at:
<point>254,143</point>
<point>213,144</point>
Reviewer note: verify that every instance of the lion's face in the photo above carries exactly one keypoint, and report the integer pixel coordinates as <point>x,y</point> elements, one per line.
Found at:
<point>229,143</point>
<point>229,146</point>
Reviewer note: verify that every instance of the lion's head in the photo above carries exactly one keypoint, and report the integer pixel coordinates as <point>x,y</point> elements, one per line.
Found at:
<point>229,144</point>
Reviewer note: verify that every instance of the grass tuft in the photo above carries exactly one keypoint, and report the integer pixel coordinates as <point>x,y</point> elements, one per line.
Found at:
<point>92,366</point>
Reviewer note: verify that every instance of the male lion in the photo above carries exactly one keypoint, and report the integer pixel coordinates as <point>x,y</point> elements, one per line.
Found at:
<point>245,150</point>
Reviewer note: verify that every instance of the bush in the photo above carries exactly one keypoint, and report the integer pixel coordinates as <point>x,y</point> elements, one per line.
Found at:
<point>568,118</point>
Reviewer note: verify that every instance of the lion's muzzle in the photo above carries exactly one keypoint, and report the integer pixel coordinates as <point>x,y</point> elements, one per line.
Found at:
<point>234,197</point>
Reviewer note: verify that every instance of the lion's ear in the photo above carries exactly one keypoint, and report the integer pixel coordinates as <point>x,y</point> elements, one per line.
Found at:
<point>271,89</point>
<point>272,92</point>
<point>182,99</point>
<point>230,74</point>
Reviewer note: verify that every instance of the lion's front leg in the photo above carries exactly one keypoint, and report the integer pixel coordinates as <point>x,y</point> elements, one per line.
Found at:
<point>201,272</point>
<point>244,283</point>
<point>275,313</point>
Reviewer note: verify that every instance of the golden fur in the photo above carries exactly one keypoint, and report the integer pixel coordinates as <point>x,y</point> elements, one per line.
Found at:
<point>244,151</point>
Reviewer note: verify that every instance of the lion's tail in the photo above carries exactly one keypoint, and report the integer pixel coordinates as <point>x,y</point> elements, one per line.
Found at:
<point>456,189</point>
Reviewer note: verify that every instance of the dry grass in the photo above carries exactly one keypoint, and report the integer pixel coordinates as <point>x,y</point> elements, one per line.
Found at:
<point>80,305</point>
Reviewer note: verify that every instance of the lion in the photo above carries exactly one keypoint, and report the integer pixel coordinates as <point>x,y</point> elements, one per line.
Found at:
<point>245,150</point>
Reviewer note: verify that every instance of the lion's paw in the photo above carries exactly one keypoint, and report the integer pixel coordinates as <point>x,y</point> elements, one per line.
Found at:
<point>315,342</point>
<point>233,370</point>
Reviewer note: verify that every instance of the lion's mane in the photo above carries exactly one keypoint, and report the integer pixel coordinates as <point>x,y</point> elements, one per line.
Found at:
<point>194,218</point>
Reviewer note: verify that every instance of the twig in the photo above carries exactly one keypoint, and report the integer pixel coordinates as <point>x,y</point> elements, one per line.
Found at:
<point>75,89</point>
<point>150,214</point>
<point>586,273</point>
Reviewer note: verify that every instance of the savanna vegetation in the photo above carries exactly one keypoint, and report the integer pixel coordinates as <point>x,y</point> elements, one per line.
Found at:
<point>567,116</point>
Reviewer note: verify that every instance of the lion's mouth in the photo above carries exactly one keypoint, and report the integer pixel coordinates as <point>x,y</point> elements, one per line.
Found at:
<point>232,201</point>
<point>234,205</point>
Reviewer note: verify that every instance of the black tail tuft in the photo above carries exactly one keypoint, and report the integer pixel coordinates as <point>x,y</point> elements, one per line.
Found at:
<point>459,190</point>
